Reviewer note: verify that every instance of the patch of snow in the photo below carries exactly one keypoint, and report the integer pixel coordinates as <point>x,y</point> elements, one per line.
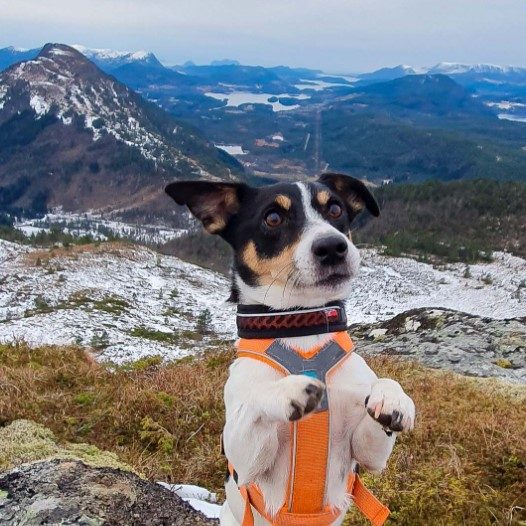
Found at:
<point>511,117</point>
<point>506,105</point>
<point>199,498</point>
<point>40,106</point>
<point>98,227</point>
<point>231,149</point>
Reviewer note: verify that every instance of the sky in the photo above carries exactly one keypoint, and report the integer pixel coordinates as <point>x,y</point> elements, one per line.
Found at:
<point>340,36</point>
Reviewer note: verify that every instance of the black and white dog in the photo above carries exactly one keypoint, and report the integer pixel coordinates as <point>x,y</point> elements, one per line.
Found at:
<point>293,249</point>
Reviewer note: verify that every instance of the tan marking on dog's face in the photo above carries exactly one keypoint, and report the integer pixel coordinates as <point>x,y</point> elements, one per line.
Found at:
<point>355,203</point>
<point>269,270</point>
<point>216,225</point>
<point>323,197</point>
<point>215,212</point>
<point>283,201</point>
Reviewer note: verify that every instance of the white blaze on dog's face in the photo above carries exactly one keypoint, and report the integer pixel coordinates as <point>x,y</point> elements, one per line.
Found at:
<point>292,241</point>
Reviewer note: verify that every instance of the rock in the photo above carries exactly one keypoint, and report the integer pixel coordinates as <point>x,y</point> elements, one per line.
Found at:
<point>377,334</point>
<point>68,492</point>
<point>25,441</point>
<point>447,339</point>
<point>44,482</point>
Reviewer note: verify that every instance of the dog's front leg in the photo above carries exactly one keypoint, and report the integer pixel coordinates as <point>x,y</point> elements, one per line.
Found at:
<point>258,402</point>
<point>388,410</point>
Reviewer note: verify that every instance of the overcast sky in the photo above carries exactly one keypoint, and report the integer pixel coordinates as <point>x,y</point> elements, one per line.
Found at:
<point>334,35</point>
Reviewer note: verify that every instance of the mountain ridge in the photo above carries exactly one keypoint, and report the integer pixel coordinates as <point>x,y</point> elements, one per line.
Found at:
<point>71,130</point>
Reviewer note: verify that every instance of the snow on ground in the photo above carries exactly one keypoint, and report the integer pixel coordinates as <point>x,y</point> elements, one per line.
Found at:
<point>127,300</point>
<point>199,498</point>
<point>131,302</point>
<point>231,149</point>
<point>99,227</point>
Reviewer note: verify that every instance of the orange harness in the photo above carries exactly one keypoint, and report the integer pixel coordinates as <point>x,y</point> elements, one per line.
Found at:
<point>306,487</point>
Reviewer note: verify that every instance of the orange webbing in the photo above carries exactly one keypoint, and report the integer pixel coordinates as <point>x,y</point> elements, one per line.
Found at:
<point>310,467</point>
<point>253,498</point>
<point>367,503</point>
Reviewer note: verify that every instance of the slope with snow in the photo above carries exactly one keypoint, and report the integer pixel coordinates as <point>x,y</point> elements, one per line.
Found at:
<point>61,82</point>
<point>131,302</point>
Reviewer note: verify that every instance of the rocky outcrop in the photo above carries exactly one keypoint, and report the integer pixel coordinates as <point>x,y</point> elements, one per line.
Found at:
<point>446,339</point>
<point>72,485</point>
<point>71,492</point>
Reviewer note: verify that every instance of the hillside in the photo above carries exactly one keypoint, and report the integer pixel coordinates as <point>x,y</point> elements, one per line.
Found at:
<point>129,302</point>
<point>456,221</point>
<point>70,135</point>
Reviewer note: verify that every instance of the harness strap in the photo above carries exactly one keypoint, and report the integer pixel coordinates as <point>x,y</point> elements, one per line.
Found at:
<point>372,509</point>
<point>367,503</point>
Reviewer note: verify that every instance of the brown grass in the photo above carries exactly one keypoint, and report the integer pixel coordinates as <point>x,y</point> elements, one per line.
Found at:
<point>463,464</point>
<point>116,248</point>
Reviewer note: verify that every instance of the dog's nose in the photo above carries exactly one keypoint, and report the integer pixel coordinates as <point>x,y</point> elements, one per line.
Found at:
<point>330,250</point>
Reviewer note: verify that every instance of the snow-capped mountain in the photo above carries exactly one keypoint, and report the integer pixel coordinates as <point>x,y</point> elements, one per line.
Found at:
<point>75,121</point>
<point>455,68</point>
<point>460,72</point>
<point>108,59</point>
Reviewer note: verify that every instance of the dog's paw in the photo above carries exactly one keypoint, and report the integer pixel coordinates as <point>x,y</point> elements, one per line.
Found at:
<point>302,395</point>
<point>390,406</point>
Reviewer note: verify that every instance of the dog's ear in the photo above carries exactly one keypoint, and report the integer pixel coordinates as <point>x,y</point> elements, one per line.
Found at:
<point>212,203</point>
<point>352,191</point>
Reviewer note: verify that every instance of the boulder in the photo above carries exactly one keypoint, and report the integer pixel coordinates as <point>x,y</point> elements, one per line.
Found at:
<point>44,482</point>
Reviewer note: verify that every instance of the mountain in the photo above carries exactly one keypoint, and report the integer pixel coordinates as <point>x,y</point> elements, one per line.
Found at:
<point>11,55</point>
<point>253,78</point>
<point>480,72</point>
<point>388,73</point>
<point>105,59</point>
<point>108,59</point>
<point>140,75</point>
<point>71,135</point>
<point>225,62</point>
<point>436,94</point>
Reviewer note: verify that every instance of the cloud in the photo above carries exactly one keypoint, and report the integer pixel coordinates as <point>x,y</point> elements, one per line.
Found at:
<point>342,35</point>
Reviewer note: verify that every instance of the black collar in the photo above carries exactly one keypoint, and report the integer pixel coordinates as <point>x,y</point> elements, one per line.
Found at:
<point>259,321</point>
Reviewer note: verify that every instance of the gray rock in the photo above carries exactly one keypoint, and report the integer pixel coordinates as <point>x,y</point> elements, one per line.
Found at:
<point>68,492</point>
<point>447,339</point>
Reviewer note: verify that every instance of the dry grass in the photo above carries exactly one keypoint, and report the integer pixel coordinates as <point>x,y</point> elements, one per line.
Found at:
<point>116,248</point>
<point>464,463</point>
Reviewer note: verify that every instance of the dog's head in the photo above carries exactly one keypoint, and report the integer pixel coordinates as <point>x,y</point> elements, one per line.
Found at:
<point>292,241</point>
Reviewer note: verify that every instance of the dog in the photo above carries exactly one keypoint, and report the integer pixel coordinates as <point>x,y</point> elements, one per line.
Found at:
<point>294,260</point>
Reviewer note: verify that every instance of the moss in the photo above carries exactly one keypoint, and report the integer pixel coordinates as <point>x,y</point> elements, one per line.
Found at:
<point>504,363</point>
<point>155,335</point>
<point>84,398</point>
<point>112,305</point>
<point>142,363</point>
<point>26,441</point>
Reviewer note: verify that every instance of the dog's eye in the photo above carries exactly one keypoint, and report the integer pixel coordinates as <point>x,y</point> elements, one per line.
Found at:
<point>273,219</point>
<point>335,211</point>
